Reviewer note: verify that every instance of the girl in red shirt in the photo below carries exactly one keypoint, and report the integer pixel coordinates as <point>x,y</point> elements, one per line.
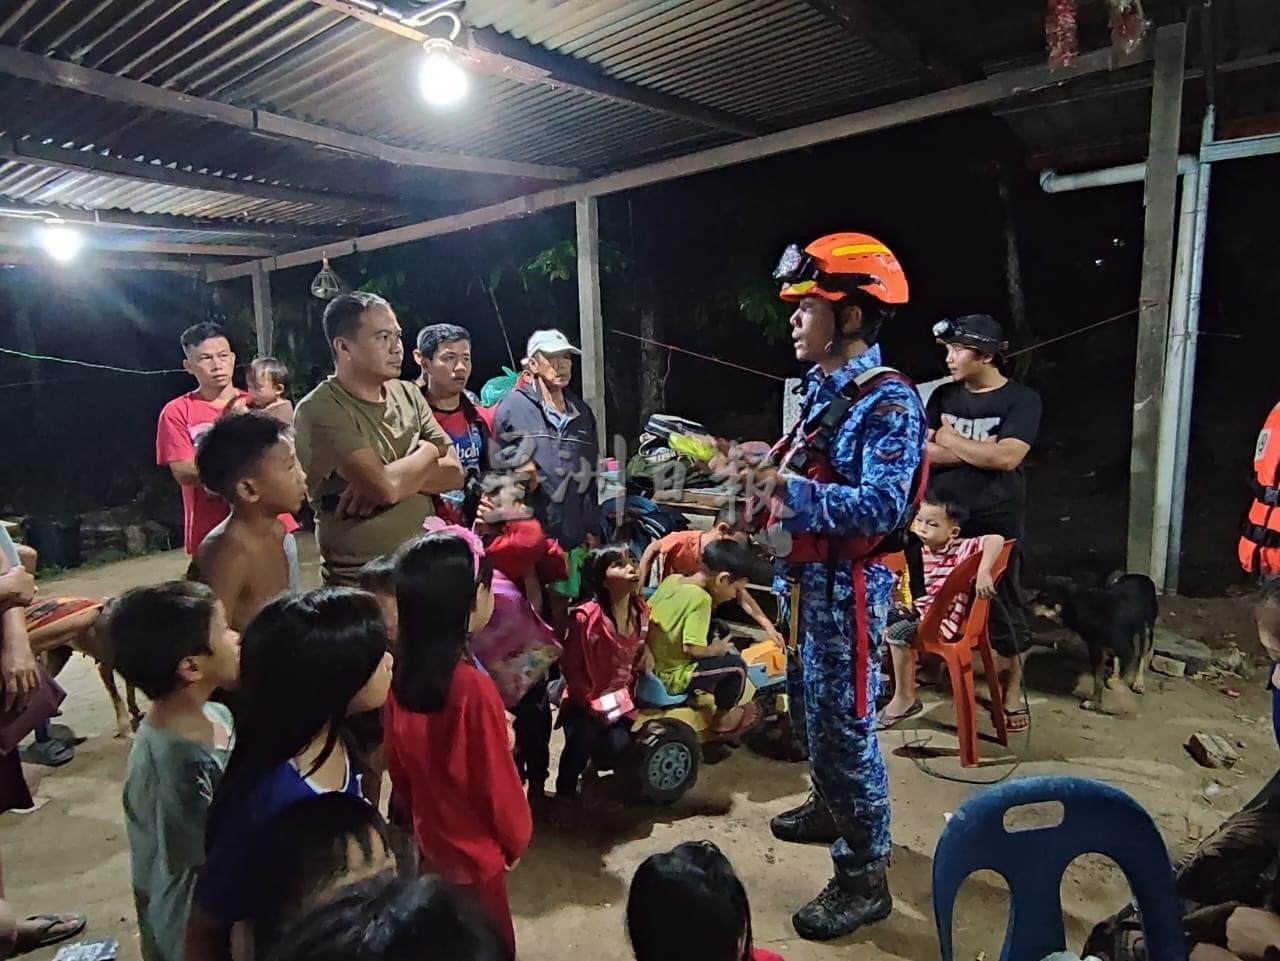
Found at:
<point>446,729</point>
<point>602,653</point>
<point>687,904</point>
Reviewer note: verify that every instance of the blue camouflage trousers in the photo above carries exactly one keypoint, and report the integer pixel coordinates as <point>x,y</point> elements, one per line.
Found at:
<point>844,755</point>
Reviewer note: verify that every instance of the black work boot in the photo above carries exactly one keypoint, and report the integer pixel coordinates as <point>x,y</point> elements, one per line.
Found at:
<point>810,823</point>
<point>845,905</point>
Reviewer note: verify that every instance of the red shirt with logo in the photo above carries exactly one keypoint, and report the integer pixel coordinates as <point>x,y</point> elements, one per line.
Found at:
<point>183,421</point>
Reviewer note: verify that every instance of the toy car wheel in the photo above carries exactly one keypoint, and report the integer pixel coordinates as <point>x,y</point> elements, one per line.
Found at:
<point>666,761</point>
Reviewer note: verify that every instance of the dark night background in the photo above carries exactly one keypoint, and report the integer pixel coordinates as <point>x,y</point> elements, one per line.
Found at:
<point>689,253</point>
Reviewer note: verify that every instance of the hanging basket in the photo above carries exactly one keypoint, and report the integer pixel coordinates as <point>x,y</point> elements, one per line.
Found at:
<point>327,284</point>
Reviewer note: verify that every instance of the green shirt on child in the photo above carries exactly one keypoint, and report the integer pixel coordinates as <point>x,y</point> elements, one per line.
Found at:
<point>168,785</point>
<point>679,614</point>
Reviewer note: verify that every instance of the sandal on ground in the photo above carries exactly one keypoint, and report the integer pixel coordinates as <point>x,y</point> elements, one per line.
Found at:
<point>1017,721</point>
<point>751,716</point>
<point>885,721</point>
<point>49,929</point>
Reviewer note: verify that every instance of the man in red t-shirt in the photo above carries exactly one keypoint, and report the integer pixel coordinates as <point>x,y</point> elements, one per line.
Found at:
<point>183,421</point>
<point>444,355</point>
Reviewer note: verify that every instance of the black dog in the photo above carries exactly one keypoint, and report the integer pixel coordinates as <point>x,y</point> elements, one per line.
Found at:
<point>1117,620</point>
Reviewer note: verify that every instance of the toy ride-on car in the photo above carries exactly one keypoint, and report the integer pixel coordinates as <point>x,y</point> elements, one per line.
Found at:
<point>670,729</point>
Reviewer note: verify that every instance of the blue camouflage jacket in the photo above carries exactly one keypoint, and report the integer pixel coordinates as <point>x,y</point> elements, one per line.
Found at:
<point>876,450</point>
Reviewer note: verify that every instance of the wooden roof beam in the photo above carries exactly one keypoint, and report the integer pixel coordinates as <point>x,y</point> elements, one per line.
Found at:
<point>517,60</point>
<point>84,161</point>
<point>20,238</point>
<point>867,21</point>
<point>90,261</point>
<point>70,76</point>
<point>124,220</point>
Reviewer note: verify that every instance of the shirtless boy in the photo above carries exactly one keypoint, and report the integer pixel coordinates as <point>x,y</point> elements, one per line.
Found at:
<point>249,460</point>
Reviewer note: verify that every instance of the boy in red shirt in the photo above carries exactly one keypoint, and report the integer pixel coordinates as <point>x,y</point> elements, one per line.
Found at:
<point>184,420</point>
<point>602,655</point>
<point>446,728</point>
<point>681,553</point>
<point>937,523</point>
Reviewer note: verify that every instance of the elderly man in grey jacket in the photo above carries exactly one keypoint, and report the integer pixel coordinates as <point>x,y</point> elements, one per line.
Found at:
<point>543,421</point>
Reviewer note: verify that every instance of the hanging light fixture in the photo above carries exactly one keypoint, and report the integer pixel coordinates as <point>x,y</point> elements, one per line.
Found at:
<point>441,78</point>
<point>59,241</point>
<point>327,284</point>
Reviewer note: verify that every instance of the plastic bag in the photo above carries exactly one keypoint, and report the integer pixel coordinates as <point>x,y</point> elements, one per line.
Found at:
<point>496,388</point>
<point>571,586</point>
<point>516,648</point>
<point>1060,32</point>
<point>1129,26</point>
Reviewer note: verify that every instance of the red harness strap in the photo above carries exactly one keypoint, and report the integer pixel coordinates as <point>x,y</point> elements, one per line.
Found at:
<point>862,640</point>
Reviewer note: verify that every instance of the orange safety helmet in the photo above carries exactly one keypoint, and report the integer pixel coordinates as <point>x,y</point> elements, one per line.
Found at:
<point>835,265</point>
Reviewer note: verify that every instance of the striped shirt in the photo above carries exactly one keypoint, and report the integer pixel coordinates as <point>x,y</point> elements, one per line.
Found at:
<point>938,566</point>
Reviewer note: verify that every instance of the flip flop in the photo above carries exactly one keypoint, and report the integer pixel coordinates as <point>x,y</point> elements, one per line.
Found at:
<point>1017,721</point>
<point>885,721</point>
<point>44,934</point>
<point>751,716</point>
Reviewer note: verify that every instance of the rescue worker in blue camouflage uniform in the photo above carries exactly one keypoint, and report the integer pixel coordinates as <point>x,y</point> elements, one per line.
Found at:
<point>843,482</point>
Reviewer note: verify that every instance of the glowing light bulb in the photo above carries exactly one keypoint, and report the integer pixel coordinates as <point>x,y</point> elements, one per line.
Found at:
<point>60,242</point>
<point>442,81</point>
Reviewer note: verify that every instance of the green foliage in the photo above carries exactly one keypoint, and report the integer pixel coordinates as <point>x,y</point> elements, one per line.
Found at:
<point>557,262</point>
<point>560,262</point>
<point>759,303</point>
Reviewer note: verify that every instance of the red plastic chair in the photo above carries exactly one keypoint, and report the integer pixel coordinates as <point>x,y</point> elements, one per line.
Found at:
<point>958,651</point>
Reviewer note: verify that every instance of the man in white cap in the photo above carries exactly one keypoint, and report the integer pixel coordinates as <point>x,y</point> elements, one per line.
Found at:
<point>543,421</point>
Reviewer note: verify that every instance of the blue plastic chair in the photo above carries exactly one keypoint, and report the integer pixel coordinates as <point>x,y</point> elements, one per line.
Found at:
<point>651,692</point>
<point>1097,819</point>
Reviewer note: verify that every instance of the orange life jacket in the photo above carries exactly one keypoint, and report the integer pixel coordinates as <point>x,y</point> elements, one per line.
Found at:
<point>1260,540</point>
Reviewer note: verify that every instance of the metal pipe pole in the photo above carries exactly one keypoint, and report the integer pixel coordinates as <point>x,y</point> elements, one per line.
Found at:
<point>1167,454</point>
<point>1188,373</point>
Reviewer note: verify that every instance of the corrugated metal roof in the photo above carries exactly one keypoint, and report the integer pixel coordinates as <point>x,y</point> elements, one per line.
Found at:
<point>770,63</point>
<point>754,58</point>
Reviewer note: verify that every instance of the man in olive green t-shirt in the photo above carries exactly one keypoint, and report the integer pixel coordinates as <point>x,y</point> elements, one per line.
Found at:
<point>371,448</point>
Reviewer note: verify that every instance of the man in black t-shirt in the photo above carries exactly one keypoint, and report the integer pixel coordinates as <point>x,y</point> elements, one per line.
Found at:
<point>981,428</point>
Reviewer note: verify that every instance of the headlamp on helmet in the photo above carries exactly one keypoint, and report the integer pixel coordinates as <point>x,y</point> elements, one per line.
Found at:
<point>797,268</point>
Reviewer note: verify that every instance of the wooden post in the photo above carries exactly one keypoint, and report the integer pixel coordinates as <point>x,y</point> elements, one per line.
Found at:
<point>1153,303</point>
<point>263,322</point>
<point>1019,327</point>
<point>590,317</point>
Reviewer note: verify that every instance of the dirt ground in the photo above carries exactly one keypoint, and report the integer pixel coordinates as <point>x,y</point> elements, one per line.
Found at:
<point>568,894</point>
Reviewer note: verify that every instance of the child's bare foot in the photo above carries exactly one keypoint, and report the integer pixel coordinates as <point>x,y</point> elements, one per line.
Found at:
<point>747,717</point>
<point>728,720</point>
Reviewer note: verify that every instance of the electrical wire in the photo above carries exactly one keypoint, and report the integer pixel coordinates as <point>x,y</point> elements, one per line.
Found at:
<point>84,363</point>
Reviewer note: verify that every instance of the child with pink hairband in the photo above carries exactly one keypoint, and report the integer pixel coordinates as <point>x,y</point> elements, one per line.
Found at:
<point>447,745</point>
<point>517,649</point>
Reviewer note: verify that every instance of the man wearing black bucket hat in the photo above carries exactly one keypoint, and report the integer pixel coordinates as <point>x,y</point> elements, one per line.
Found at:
<point>981,428</point>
